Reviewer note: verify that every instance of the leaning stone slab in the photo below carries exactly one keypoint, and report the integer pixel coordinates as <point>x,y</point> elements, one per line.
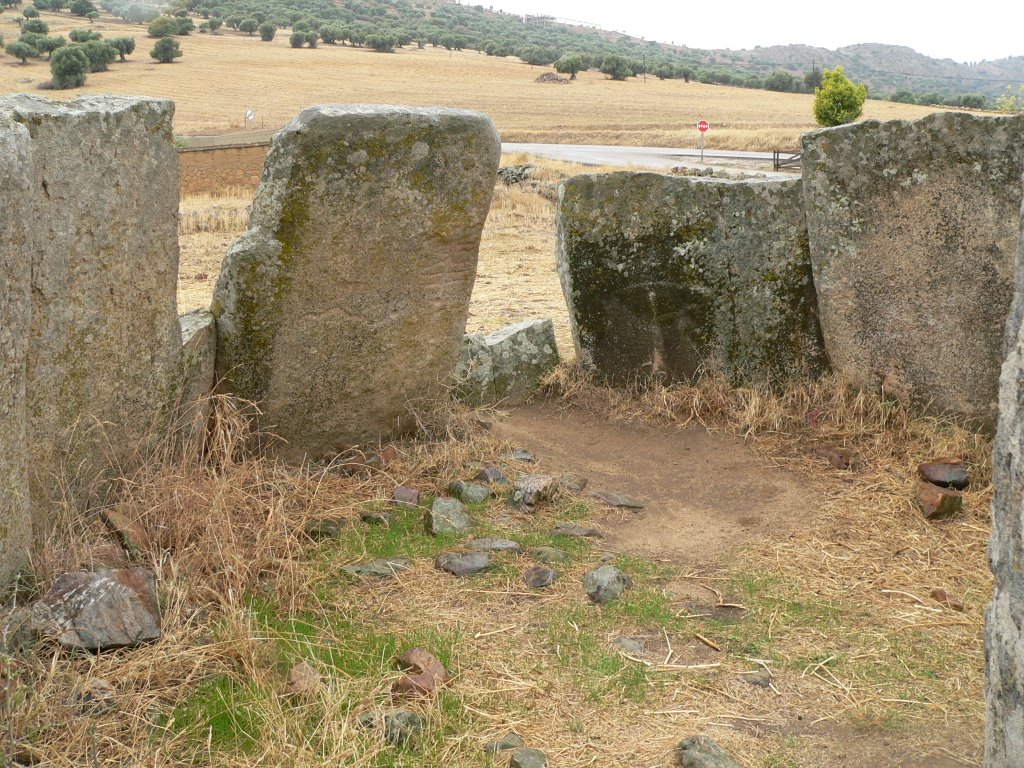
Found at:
<point>15,313</point>
<point>103,356</point>
<point>508,365</point>
<point>1004,620</point>
<point>913,230</point>
<point>670,276</point>
<point>348,295</point>
<point>198,369</point>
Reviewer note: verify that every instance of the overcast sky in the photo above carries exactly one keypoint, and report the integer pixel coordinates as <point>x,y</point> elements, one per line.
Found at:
<point>963,31</point>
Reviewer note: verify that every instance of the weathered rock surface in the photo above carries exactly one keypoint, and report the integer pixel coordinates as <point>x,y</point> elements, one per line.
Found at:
<point>447,516</point>
<point>938,503</point>
<point>398,726</point>
<point>702,752</point>
<point>348,296</point>
<point>198,369</point>
<point>506,366</point>
<point>1004,620</point>
<point>404,496</point>
<point>605,584</point>
<point>101,610</point>
<point>379,569</point>
<point>576,531</point>
<point>531,490</point>
<point>668,275</point>
<point>572,482</point>
<point>488,544</point>
<point>459,564</point>
<point>525,757</point>
<point>539,576</point>
<point>469,493</point>
<point>15,316</point>
<point>375,517</point>
<point>320,528</point>
<point>511,740</point>
<point>425,675</point>
<point>909,224</point>
<point>548,555</point>
<point>946,473</point>
<point>615,499</point>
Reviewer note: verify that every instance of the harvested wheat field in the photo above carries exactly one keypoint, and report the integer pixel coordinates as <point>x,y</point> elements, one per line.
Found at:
<point>221,76</point>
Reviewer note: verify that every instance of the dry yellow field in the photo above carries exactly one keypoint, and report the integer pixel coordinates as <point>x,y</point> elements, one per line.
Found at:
<point>221,76</point>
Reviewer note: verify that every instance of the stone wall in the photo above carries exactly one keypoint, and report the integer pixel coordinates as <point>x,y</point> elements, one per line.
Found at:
<point>215,170</point>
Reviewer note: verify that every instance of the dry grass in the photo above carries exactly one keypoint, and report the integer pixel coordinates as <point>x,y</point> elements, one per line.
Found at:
<point>221,76</point>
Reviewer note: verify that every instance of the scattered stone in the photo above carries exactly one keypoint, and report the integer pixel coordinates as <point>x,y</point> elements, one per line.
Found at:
<point>577,531</point>
<point>613,499</point>
<point>447,516</point>
<point>379,569</point>
<point>551,77</point>
<point>632,646</point>
<point>487,544</point>
<point>940,595</point>
<point>938,503</point>
<point>404,496</point>
<point>572,483</point>
<point>761,678</point>
<point>96,697</point>
<point>325,528</point>
<point>302,678</point>
<point>399,726</point>
<point>548,555</point>
<point>702,752</point>
<point>395,195</point>
<point>458,564</point>
<point>605,584</point>
<point>511,741</point>
<point>945,473</point>
<point>539,576</point>
<point>524,757</point>
<point>506,366</point>
<point>511,175</point>
<point>100,611</point>
<point>840,458</point>
<point>198,368</point>
<point>129,531</point>
<point>469,493</point>
<point>609,557</point>
<point>492,476</point>
<point>518,454</point>
<point>531,490</point>
<point>427,674</point>
<point>17,630</point>
<point>375,517</point>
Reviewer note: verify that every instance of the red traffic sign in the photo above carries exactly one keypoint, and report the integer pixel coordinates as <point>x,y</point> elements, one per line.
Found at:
<point>703,126</point>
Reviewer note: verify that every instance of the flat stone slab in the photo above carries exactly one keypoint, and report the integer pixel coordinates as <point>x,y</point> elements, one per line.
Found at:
<point>525,757</point>
<point>379,569</point>
<point>548,555</point>
<point>508,365</point>
<point>469,493</point>
<point>448,516</point>
<point>459,564</point>
<point>539,576</point>
<point>605,584</point>
<point>615,499</point>
<point>702,752</point>
<point>946,473</point>
<point>488,544</point>
<point>348,297</point>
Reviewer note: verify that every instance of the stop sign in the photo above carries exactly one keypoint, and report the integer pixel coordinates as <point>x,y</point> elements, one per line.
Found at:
<point>703,126</point>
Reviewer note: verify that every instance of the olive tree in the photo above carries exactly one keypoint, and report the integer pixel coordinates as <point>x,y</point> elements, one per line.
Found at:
<point>166,50</point>
<point>68,67</point>
<point>267,31</point>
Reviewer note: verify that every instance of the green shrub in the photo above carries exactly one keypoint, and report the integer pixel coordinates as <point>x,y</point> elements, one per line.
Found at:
<point>838,100</point>
<point>569,64</point>
<point>162,26</point>
<point>166,50</point>
<point>297,39</point>
<point>68,67</point>
<point>616,66</point>
<point>125,46</point>
<point>267,31</point>
<point>100,54</point>
<point>83,35</point>
<point>249,26</point>
<point>19,49</point>
<point>38,26</point>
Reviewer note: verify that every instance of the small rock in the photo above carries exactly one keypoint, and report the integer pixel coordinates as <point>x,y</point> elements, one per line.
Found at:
<point>129,531</point>
<point>938,503</point>
<point>378,569</point>
<point>632,646</point>
<point>447,516</point>
<point>539,576</point>
<point>572,482</point>
<point>404,496</point>
<point>577,531</point>
<point>524,757</point>
<point>702,752</point>
<point>940,595</point>
<point>17,630</point>
<point>759,677</point>
<point>945,473</point>
<point>840,458</point>
<point>491,475</point>
<point>458,564</point>
<point>613,499</point>
<point>605,584</point>
<point>302,678</point>
<point>609,557</point>
<point>469,493</point>
<point>548,555</point>
<point>531,490</point>
<point>427,674</point>
<point>486,544</point>
<point>375,517</point>
<point>96,697</point>
<point>319,529</point>
<point>518,454</point>
<point>400,726</point>
<point>512,741</point>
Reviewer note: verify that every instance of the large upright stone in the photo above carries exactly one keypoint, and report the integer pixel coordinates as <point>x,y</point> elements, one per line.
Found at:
<point>15,269</point>
<point>666,275</point>
<point>1004,621</point>
<point>348,296</point>
<point>913,230</point>
<point>105,342</point>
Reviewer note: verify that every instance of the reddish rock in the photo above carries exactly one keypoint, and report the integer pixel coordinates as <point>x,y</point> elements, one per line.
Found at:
<point>938,503</point>
<point>945,473</point>
<point>404,496</point>
<point>129,531</point>
<point>840,458</point>
<point>302,678</point>
<point>427,674</point>
<point>940,595</point>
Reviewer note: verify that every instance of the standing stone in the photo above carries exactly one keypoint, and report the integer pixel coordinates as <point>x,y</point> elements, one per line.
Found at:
<point>506,366</point>
<point>667,275</point>
<point>1004,620</point>
<point>198,370</point>
<point>105,342</point>
<point>348,295</point>
<point>15,276</point>
<point>913,229</point>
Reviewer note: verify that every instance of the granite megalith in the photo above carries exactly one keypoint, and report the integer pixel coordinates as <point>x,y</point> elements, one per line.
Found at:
<point>348,295</point>
<point>506,366</point>
<point>104,340</point>
<point>670,276</point>
<point>15,279</point>
<point>913,232</point>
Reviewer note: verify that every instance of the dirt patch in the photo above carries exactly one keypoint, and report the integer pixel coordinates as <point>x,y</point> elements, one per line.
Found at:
<point>703,494</point>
